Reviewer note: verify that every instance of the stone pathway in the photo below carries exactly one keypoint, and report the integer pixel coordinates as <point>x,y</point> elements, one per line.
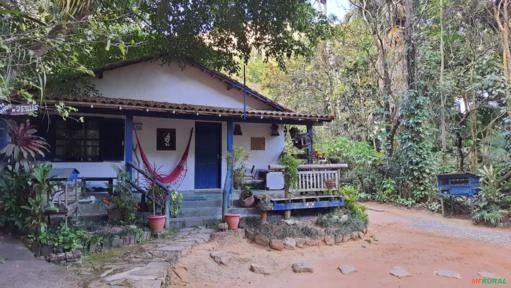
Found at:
<point>146,265</point>
<point>19,268</point>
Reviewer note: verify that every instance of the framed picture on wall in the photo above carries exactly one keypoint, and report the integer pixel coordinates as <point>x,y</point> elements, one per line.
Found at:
<point>165,139</point>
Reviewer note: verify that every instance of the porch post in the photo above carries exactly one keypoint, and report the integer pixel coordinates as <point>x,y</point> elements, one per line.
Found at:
<point>310,132</point>
<point>128,143</point>
<point>228,177</point>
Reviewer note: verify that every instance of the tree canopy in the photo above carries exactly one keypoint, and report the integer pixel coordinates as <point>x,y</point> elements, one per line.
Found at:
<point>44,41</point>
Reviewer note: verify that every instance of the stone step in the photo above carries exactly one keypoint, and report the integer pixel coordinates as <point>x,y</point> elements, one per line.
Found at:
<point>201,211</point>
<point>202,203</point>
<point>182,222</point>
<point>194,197</point>
<point>244,212</point>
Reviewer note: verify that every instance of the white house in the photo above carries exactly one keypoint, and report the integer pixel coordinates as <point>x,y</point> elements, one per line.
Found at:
<point>161,104</point>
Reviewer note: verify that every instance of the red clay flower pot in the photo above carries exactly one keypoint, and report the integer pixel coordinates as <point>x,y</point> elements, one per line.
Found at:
<point>157,223</point>
<point>232,220</point>
<point>330,184</point>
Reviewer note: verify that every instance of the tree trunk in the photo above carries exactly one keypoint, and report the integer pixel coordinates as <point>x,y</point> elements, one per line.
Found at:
<point>390,126</point>
<point>443,129</point>
<point>410,45</point>
<point>501,14</point>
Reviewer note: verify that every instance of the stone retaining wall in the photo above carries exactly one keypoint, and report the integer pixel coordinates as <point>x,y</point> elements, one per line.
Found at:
<point>292,243</point>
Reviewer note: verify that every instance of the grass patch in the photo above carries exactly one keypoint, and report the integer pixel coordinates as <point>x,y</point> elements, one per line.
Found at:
<point>107,256</point>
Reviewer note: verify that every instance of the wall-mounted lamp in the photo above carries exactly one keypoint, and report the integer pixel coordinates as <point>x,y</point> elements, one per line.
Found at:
<point>274,130</point>
<point>237,129</point>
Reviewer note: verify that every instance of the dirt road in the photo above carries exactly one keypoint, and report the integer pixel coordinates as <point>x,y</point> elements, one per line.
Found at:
<point>419,241</point>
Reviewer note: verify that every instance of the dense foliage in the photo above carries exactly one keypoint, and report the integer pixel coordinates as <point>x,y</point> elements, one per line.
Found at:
<point>43,43</point>
<point>416,92</point>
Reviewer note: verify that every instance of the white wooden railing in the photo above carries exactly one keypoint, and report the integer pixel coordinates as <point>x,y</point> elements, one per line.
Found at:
<point>314,181</point>
<point>312,177</point>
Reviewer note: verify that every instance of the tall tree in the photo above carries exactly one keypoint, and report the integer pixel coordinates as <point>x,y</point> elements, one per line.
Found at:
<point>385,21</point>
<point>501,10</point>
<point>44,39</point>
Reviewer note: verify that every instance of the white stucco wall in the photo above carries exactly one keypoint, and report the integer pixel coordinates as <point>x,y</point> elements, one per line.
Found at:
<point>171,83</point>
<point>167,160</point>
<point>274,144</point>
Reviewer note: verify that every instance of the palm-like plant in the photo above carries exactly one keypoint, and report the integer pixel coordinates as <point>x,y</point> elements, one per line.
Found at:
<point>24,146</point>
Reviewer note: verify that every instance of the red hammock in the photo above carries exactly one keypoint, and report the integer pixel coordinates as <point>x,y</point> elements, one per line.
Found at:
<point>174,174</point>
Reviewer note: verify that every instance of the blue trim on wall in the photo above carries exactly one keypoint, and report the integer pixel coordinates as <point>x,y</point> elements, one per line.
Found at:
<point>228,177</point>
<point>128,143</point>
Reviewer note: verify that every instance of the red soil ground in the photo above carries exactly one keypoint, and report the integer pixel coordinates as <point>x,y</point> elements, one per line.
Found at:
<point>417,240</point>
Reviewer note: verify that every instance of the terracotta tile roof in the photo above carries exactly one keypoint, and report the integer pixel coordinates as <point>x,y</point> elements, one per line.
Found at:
<point>175,108</point>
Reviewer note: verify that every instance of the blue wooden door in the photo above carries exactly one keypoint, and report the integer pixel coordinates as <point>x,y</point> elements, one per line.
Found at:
<point>208,155</point>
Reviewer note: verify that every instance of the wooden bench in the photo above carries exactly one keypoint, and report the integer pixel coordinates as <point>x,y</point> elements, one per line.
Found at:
<point>311,178</point>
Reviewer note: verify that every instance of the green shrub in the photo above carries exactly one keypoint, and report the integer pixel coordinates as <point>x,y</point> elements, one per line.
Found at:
<point>364,162</point>
<point>15,190</point>
<point>487,205</point>
<point>67,238</point>
<point>387,192</point>
<point>123,199</point>
<point>290,164</point>
<point>350,195</point>
<point>414,159</point>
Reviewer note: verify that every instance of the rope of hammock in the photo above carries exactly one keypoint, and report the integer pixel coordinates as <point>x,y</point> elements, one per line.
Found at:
<point>174,175</point>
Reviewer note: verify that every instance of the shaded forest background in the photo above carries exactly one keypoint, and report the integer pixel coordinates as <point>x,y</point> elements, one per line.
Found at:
<point>451,115</point>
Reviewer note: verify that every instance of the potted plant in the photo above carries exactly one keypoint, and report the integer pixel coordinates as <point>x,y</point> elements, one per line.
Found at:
<point>238,161</point>
<point>330,184</point>
<point>247,198</point>
<point>121,208</point>
<point>156,222</point>
<point>233,220</point>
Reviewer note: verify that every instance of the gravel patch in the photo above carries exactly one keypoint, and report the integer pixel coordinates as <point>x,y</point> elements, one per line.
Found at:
<point>497,236</point>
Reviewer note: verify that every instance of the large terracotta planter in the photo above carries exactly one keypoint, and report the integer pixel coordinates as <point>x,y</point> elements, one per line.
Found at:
<point>232,220</point>
<point>157,223</point>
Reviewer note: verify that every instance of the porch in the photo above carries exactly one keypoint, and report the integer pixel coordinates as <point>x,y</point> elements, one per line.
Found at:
<point>195,139</point>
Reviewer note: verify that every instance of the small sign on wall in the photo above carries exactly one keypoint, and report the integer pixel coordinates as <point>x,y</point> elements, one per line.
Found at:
<point>165,139</point>
<point>257,143</point>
